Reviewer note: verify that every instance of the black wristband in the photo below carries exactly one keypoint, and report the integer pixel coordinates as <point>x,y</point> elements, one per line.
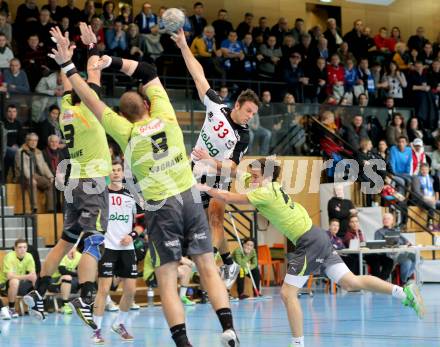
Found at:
<point>145,72</point>
<point>71,72</point>
<point>133,234</point>
<point>116,63</point>
<point>66,63</point>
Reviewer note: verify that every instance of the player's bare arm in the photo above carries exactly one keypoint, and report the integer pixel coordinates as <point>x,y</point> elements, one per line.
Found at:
<point>224,195</point>
<point>218,165</point>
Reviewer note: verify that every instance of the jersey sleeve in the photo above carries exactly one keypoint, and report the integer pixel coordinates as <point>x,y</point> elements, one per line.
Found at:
<point>160,105</point>
<point>117,127</point>
<point>212,99</point>
<point>260,196</point>
<point>241,147</point>
<point>7,265</point>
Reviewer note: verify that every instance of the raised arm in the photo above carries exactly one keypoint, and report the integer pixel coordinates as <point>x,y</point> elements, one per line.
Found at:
<point>224,195</point>
<point>194,67</point>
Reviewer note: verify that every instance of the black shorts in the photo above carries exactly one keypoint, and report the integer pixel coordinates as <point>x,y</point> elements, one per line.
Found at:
<point>179,227</point>
<point>87,212</point>
<point>119,263</point>
<point>55,286</point>
<point>217,182</point>
<point>24,287</point>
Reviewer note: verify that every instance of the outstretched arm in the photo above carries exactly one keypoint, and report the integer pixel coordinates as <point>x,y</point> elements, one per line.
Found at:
<point>224,195</point>
<point>194,67</point>
<point>88,38</point>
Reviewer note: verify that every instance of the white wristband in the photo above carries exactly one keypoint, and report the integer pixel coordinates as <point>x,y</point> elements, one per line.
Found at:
<point>67,68</point>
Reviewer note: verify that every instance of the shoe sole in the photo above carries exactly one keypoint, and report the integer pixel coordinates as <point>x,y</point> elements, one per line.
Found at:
<point>30,303</point>
<point>81,316</point>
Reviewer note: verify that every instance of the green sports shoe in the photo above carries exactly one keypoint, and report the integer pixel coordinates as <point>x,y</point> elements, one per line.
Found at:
<point>186,301</point>
<point>66,309</point>
<point>414,298</point>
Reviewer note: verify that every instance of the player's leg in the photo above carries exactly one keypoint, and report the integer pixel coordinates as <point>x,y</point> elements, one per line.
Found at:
<point>13,285</point>
<point>65,290</point>
<point>104,284</point>
<point>184,274</point>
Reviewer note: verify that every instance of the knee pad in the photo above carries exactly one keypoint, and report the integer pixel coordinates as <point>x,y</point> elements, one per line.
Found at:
<point>92,245</point>
<point>66,281</point>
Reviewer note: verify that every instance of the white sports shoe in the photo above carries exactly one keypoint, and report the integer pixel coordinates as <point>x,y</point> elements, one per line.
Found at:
<point>111,307</point>
<point>230,274</point>
<point>4,313</point>
<point>134,306</point>
<point>229,339</point>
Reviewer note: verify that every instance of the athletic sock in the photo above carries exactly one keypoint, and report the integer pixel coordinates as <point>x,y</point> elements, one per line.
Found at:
<point>178,333</point>
<point>182,291</point>
<point>122,317</point>
<point>227,258</point>
<point>98,321</point>
<point>43,284</point>
<point>12,305</point>
<point>225,317</point>
<point>65,301</point>
<point>215,250</point>
<point>298,341</point>
<point>108,300</point>
<point>398,293</point>
<point>87,292</point>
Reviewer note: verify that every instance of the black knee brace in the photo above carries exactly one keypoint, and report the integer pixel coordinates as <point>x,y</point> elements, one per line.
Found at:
<point>66,281</point>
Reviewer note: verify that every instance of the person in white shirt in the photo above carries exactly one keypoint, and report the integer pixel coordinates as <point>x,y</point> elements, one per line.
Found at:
<point>6,54</point>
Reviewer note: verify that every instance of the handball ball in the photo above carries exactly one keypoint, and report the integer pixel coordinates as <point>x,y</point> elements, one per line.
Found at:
<point>172,20</point>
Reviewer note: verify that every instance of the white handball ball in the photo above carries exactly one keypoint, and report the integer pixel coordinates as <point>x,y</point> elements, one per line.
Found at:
<point>173,19</point>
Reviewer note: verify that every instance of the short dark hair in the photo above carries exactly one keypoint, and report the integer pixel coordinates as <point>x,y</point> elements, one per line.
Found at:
<point>248,14</point>
<point>118,162</point>
<point>269,168</point>
<point>248,95</point>
<point>424,165</point>
<point>197,4</point>
<point>334,220</point>
<point>402,137</point>
<point>11,106</point>
<point>262,18</point>
<point>53,107</point>
<point>299,20</point>
<point>18,241</point>
<point>247,239</point>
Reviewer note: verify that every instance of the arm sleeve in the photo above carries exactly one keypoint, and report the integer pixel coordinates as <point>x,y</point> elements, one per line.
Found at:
<point>212,99</point>
<point>378,235</point>
<point>160,105</point>
<point>254,260</point>
<point>238,257</point>
<point>117,127</point>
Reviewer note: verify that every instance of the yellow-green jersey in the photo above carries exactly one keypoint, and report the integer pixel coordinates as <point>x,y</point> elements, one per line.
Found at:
<point>154,147</point>
<point>20,267</point>
<point>85,140</point>
<point>290,218</point>
<point>69,264</point>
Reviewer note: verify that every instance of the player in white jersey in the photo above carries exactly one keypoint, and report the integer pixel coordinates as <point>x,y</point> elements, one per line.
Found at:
<point>223,140</point>
<point>119,258</point>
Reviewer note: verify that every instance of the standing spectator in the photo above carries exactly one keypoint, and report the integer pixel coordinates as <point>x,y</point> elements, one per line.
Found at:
<point>126,17</point>
<point>333,36</point>
<point>418,156</point>
<point>153,45</point>
<point>384,45</point>
<point>396,130</point>
<point>406,260</point>
<point>401,160</point>
<point>356,40</point>
<point>298,29</point>
<point>246,26</point>
<point>427,55</point>
<point>280,30</point>
<point>34,61</point>
<point>233,55</point>
<point>197,20</point>
<point>395,81</point>
<point>425,186</point>
<point>267,110</point>
<point>98,30</point>
<point>18,274</point>
<point>345,54</point>
<point>247,259</point>
<point>366,77</point>
<point>435,159</point>
<point>259,137</point>
<point>401,56</point>
<point>54,10</point>
<point>315,91</point>
<point>340,209</point>
<point>108,16</point>
<point>42,29</point>
<point>226,96</point>
<point>5,27</point>
<point>50,126</point>
<point>42,178</point>
<point>323,51</point>
<point>335,78</point>
<point>288,46</point>
<point>250,56</point>
<point>293,75</point>
<point>27,12</point>
<point>14,138</point>
<point>434,81</point>
<point>271,57</point>
<point>134,42</point>
<point>355,132</point>
<point>316,33</point>
<point>4,8</point>
<point>395,37</point>
<point>71,12</point>
<point>6,54</point>
<point>351,79</point>
<point>15,78</point>
<point>64,24</point>
<point>52,153</point>
<point>364,156</point>
<point>307,51</point>
<point>146,19</point>
<point>88,12</point>
<point>418,40</point>
<point>222,26</point>
<point>262,29</point>
<point>116,40</point>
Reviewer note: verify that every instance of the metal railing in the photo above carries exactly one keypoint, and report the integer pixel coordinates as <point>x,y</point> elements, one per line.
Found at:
<point>244,220</point>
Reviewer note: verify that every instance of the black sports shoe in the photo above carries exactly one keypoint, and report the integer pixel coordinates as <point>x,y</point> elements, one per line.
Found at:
<point>35,303</point>
<point>84,311</point>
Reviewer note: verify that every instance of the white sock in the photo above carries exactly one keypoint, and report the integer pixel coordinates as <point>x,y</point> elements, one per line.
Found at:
<point>122,317</point>
<point>298,341</point>
<point>183,291</point>
<point>98,321</point>
<point>398,293</point>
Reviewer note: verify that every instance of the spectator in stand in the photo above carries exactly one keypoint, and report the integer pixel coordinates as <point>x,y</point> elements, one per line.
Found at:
<point>50,85</point>
<point>88,12</point>
<point>382,152</point>
<point>116,40</point>
<point>64,24</point>
<point>5,28</point>
<point>14,138</point>
<point>307,51</point>
<point>272,55</point>
<point>259,137</point>
<point>351,79</point>
<point>315,91</point>
<point>395,82</point>
<point>351,260</point>
<point>262,29</point>
<point>153,45</point>
<point>108,16</point>
<point>204,48</point>
<point>415,130</point>
<point>369,41</point>
<point>362,100</point>
<point>298,29</point>
<point>18,275</point>
<point>356,40</point>
<point>413,58</point>
<point>146,19</point>
<point>391,109</point>
<point>335,78</point>
<point>406,260</point>
<point>380,265</point>
<point>222,26</point>
<point>333,36</point>
<point>401,56</point>
<point>288,46</point>
<point>16,79</point>
<point>247,259</point>
<point>316,33</point>
<point>4,8</point>
<point>73,13</point>
<point>233,55</point>
<point>366,77</point>
<point>126,16</point>
<point>280,30</point>
<point>436,46</point>
<point>340,209</point>
<point>421,97</point>
<point>34,61</point>
<point>197,20</point>
<point>246,26</point>
<point>418,156</point>
<point>50,126</point>
<point>345,54</point>
<point>25,20</point>
<point>134,42</point>
<point>250,57</point>
<point>396,130</point>
<point>434,81</point>
<point>427,55</point>
<point>401,161</point>
<point>395,38</point>
<point>355,132</point>
<point>53,153</point>
<point>54,10</point>
<point>384,45</point>
<point>323,51</point>
<point>226,97</point>
<point>267,110</point>
<point>380,86</point>
<point>435,159</point>
<point>418,40</point>
<point>42,29</point>
<point>98,30</point>
<point>42,177</point>
<point>427,188</point>
<point>6,54</point>
<point>293,75</point>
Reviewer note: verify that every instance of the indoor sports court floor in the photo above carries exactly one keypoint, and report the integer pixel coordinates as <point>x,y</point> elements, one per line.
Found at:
<point>353,320</point>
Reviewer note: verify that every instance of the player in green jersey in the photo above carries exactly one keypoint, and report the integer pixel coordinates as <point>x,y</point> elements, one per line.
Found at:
<point>153,145</point>
<point>313,248</point>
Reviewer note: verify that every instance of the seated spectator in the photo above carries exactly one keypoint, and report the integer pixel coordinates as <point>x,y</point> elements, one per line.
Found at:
<point>226,97</point>
<point>250,56</point>
<point>65,279</point>
<point>333,36</point>
<point>34,61</point>
<point>293,75</point>
<point>355,132</point>
<point>50,85</point>
<point>18,276</point>
<point>280,30</point>
<point>288,46</point>
<point>401,56</point>
<point>340,209</point>
<point>153,45</point>
<point>14,138</point>
<point>198,22</point>
<point>316,33</point>
<point>259,137</point>
<point>427,56</point>
<point>335,78</point>
<point>54,10</point>
<point>392,197</point>
<point>298,29</point>
<point>262,29</point>
<point>49,126</point>
<point>381,86</point>
<point>395,37</point>
<point>418,40</point>
<point>25,19</point>
<point>345,55</point>
<point>53,153</point>
<point>5,27</point>
<point>424,186</point>
<point>272,55</point>
<point>233,55</point>
<point>415,131</point>
<point>6,54</point>
<point>381,265</point>
<point>391,109</point>
<point>434,80</point>
<point>4,8</point>
<point>401,161</point>
<point>396,130</point>
<point>382,42</point>
<point>116,40</point>
<point>406,260</point>
<point>418,156</point>
<point>315,91</point>
<point>65,24</point>
<point>204,48</point>
<point>267,110</point>
<point>88,12</point>
<point>42,29</point>
<point>247,259</point>
<point>435,159</point>
<point>71,12</point>
<point>351,260</point>
<point>98,30</point>
<point>42,177</point>
<point>16,79</point>
<point>222,26</point>
<point>108,17</point>
<point>322,47</point>
<point>126,17</point>
<point>134,42</point>
<point>366,77</point>
<point>307,50</point>
<point>395,82</point>
<point>245,27</point>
